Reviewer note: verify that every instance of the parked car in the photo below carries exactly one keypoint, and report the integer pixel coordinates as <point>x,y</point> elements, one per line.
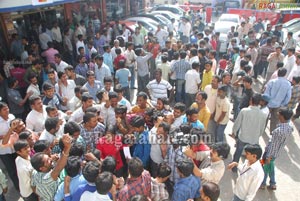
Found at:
<point>148,23</point>
<point>290,23</point>
<point>174,9</point>
<point>223,27</point>
<point>230,18</point>
<point>167,14</point>
<point>295,28</point>
<point>158,18</point>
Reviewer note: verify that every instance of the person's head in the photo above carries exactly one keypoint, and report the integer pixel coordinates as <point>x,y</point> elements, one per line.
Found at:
<point>22,148</point>
<point>163,171</point>
<point>120,111</point>
<point>196,66</point>
<point>285,115</point>
<point>291,51</point>
<point>104,183</point>
<point>212,54</point>
<point>163,129</point>
<point>113,99</point>
<point>41,162</point>
<point>90,75</point>
<point>138,123</point>
<point>99,60</point>
<point>192,114</point>
<point>247,81</point>
<point>208,65</point>
<point>12,82</point>
<point>295,80</point>
<point>57,58</point>
<point>222,91</point>
<point>253,152</point>
<point>107,83</point>
<point>86,100</point>
<point>179,109</point>
<point>73,166</point>
<point>281,72</point>
<point>219,151</point>
<point>109,164</point>
<point>226,78</point>
<point>201,97</point>
<point>160,103</point>
<point>142,99</point>
<point>182,54</point>
<point>91,170</point>
<point>73,129</point>
<point>27,135</point>
<point>42,146</point>
<point>90,120</point>
<point>52,125</point>
<point>48,90</point>
<point>33,79</point>
<point>290,35</point>
<point>35,103</point>
<point>135,167</point>
<point>215,82</point>
<point>62,76</point>
<point>210,191</point>
<point>185,167</point>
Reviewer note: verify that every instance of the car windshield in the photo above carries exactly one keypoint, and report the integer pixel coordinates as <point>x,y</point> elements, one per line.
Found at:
<point>294,28</point>
<point>224,29</point>
<point>229,19</point>
<point>291,22</point>
<point>232,4</point>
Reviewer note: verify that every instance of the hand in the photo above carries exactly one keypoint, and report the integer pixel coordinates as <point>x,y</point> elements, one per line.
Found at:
<point>54,157</point>
<point>105,96</point>
<point>67,141</point>
<point>90,157</point>
<point>118,120</point>
<point>120,183</point>
<point>67,180</point>
<point>232,165</point>
<point>189,152</point>
<point>29,93</point>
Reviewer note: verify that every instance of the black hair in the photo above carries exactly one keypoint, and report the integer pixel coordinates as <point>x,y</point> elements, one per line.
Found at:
<point>211,190</point>
<point>213,52</point>
<point>137,121</point>
<point>165,126</point>
<point>180,106</point>
<point>88,116</point>
<point>112,95</point>
<point>91,109</point>
<point>109,164</point>
<point>77,149</point>
<point>120,109</point>
<point>202,94</point>
<point>51,123</point>
<point>164,170</point>
<point>90,73</point>
<point>24,135</point>
<point>73,166</point>
<point>100,93</point>
<point>191,111</point>
<point>286,113</point>
<point>50,108</point>
<point>135,167</point>
<point>193,52</point>
<point>20,144</point>
<point>254,149</point>
<point>208,62</point>
<point>91,171</point>
<point>185,167</point>
<point>256,98</point>
<point>281,72</point>
<point>138,51</point>
<point>222,148</point>
<point>107,79</point>
<point>11,81</point>
<point>291,50</point>
<point>31,76</point>
<point>158,70</point>
<point>243,63</point>
<point>37,161</point>
<point>118,88</point>
<point>296,79</point>
<point>47,86</point>
<point>142,94</point>
<point>247,79</point>
<point>223,88</point>
<point>41,146</point>
<point>104,183</point>
<point>122,63</point>
<point>195,65</point>
<point>182,54</point>
<point>185,128</point>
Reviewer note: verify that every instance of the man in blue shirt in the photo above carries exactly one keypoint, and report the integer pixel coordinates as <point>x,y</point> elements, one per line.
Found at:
<point>280,91</point>
<point>188,186</point>
<point>191,118</point>
<point>142,145</point>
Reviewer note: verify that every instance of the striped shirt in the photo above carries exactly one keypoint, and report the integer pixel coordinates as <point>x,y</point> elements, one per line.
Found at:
<point>92,136</point>
<point>278,139</point>
<point>158,89</point>
<point>180,68</point>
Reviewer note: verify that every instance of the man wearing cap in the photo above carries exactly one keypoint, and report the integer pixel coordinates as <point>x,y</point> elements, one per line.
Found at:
<point>101,69</point>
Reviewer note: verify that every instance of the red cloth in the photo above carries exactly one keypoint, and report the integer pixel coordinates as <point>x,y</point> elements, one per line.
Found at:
<point>213,44</point>
<point>223,64</point>
<point>117,59</point>
<point>200,147</point>
<point>111,149</point>
<point>19,73</point>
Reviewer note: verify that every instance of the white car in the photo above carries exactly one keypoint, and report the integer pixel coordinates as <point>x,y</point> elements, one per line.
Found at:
<point>148,23</point>
<point>230,18</point>
<point>223,27</point>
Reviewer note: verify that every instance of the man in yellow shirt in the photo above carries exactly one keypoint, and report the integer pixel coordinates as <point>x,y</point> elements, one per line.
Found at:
<point>204,113</point>
<point>207,75</point>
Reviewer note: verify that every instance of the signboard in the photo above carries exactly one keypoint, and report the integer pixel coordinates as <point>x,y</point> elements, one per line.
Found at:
<point>41,2</point>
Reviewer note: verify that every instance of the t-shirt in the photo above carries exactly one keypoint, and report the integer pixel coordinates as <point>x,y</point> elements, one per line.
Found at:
<point>222,64</point>
<point>222,105</point>
<point>122,75</point>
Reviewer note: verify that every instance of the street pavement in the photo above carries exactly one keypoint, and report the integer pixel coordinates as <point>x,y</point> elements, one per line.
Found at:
<point>287,168</point>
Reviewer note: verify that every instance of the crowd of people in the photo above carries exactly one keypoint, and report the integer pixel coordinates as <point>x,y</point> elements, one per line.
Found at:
<point>72,130</point>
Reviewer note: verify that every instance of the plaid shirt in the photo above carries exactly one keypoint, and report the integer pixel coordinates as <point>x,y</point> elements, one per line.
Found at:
<point>158,191</point>
<point>295,97</point>
<point>180,68</point>
<point>172,157</point>
<point>278,139</point>
<point>92,136</point>
<point>136,186</point>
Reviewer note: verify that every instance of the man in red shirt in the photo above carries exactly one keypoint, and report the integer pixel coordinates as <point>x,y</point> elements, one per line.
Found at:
<point>118,58</point>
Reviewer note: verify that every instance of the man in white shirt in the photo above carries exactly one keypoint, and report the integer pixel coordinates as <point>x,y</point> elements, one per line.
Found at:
<point>101,69</point>
<point>192,83</point>
<point>186,30</point>
<point>65,88</point>
<point>33,87</point>
<point>36,118</point>
<point>126,33</point>
<point>295,70</point>
<point>56,33</point>
<point>80,43</point>
<point>130,62</point>
<point>87,101</point>
<point>52,126</point>
<point>59,63</point>
<point>44,39</point>
<point>161,35</point>
<point>289,60</point>
<point>251,174</point>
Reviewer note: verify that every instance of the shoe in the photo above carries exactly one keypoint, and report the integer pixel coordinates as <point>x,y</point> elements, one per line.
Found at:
<point>272,187</point>
<point>133,88</point>
<point>262,187</point>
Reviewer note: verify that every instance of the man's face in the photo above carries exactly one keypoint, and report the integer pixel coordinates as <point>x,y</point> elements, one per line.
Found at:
<point>51,76</point>
<point>278,51</point>
<point>4,112</point>
<point>158,76</point>
<point>57,60</point>
<point>221,94</point>
<point>207,67</point>
<point>91,79</point>
<point>114,102</point>
<point>88,103</point>
<point>177,113</point>
<point>141,102</point>
<point>199,99</point>
<point>33,81</point>
<point>49,93</point>
<point>159,105</point>
<point>214,83</point>
<point>160,131</point>
<point>64,77</point>
<point>99,62</point>
<point>226,79</point>
<point>107,86</point>
<point>193,118</point>
<point>38,105</point>
<point>53,113</point>
<point>93,122</point>
<point>47,161</point>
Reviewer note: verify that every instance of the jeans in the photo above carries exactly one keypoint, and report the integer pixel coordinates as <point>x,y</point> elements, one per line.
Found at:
<point>256,70</point>
<point>269,170</point>
<point>31,197</point>
<point>211,129</point>
<point>180,91</point>
<point>239,150</point>
<point>263,66</point>
<point>274,118</point>
<point>126,93</point>
<point>236,198</point>
<point>189,99</point>
<point>219,134</point>
<point>142,83</point>
<point>132,79</point>
<point>236,108</point>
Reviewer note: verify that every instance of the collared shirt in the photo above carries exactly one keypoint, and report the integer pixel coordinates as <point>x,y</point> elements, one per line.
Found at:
<point>265,51</point>
<point>289,62</point>
<point>180,68</point>
<point>46,187</point>
<point>280,92</point>
<point>81,69</point>
<point>294,72</point>
<point>74,183</point>
<point>35,89</point>
<point>158,89</point>
<point>206,79</point>
<point>222,105</point>
<point>289,43</point>
<point>89,187</point>
<point>155,153</point>
<point>196,124</point>
<point>5,125</point>
<point>173,157</point>
<point>102,72</point>
<point>35,121</point>
<point>187,188</point>
<point>95,196</point>
<point>203,114</point>
<point>74,103</point>
<point>214,172</point>
<point>142,147</point>
<point>45,135</point>
<point>211,98</point>
<point>158,191</point>
<point>142,65</point>
<point>108,114</point>
<point>244,122</point>
<point>295,98</point>
<point>138,39</point>
<point>166,70</point>
<point>61,66</point>
<point>91,136</point>
<point>108,60</point>
<point>24,170</point>
<point>136,186</point>
<point>278,139</point>
<point>49,54</point>
<point>93,89</point>
<point>273,59</point>
<point>130,57</point>
<point>249,180</point>
<point>192,80</point>
<point>77,116</point>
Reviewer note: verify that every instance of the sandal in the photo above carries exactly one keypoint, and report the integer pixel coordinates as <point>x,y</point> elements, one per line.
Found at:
<point>272,187</point>
<point>262,187</point>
